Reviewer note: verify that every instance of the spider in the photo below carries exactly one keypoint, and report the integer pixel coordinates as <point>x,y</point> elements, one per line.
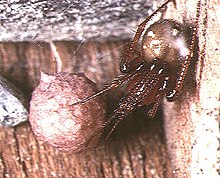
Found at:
<point>156,71</point>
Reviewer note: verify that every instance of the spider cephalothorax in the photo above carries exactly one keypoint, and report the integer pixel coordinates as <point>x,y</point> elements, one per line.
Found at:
<point>156,70</point>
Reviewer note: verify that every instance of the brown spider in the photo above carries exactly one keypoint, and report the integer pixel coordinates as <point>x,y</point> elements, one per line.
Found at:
<point>158,70</point>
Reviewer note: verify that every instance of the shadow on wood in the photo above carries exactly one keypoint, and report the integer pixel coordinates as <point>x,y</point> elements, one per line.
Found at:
<point>135,149</point>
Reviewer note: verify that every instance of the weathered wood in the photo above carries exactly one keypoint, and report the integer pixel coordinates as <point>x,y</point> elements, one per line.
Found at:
<point>136,148</point>
<point>130,149</point>
<point>47,20</point>
<point>192,122</point>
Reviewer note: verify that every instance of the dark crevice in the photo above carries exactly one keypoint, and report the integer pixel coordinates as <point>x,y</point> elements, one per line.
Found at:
<point>102,170</point>
<point>143,156</point>
<point>23,65</point>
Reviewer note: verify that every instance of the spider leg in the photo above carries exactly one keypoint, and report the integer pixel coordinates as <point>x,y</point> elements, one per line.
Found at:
<point>129,102</point>
<point>117,82</point>
<point>175,92</point>
<point>140,85</point>
<point>132,99</point>
<point>160,96</point>
<point>153,110</point>
<point>130,60</point>
<point>156,95</point>
<point>129,52</point>
<point>142,25</point>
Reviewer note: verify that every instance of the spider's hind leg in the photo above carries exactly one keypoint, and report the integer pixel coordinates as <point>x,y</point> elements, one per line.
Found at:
<point>186,63</point>
<point>160,95</point>
<point>130,56</point>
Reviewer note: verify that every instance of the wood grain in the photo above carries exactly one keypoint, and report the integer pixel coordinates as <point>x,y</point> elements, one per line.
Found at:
<point>135,149</point>
<point>44,20</point>
<point>192,122</point>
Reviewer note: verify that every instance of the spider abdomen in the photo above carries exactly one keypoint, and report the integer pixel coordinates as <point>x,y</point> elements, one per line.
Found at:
<point>166,40</point>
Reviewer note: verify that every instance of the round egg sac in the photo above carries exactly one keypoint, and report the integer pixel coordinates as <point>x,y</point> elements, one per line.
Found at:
<point>56,120</point>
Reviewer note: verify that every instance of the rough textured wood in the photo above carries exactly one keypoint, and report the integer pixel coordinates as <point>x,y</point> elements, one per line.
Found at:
<point>192,122</point>
<point>136,148</point>
<point>48,20</point>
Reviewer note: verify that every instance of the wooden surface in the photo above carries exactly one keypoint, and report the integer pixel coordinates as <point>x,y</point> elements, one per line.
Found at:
<point>137,147</point>
<point>192,122</point>
<point>49,20</point>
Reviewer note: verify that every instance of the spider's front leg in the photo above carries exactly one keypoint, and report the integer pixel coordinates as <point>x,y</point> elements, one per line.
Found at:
<point>157,93</point>
<point>158,99</point>
<point>147,87</point>
<point>175,92</point>
<point>130,60</point>
<point>117,82</point>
